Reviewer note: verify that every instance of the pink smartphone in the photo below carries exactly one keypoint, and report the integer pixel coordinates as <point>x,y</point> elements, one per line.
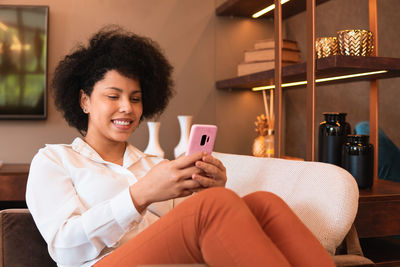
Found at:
<point>201,138</point>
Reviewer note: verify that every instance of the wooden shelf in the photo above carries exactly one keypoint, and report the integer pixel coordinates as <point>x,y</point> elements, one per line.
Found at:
<point>325,67</point>
<point>246,8</point>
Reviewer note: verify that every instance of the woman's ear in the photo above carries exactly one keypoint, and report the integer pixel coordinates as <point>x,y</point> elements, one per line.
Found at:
<point>84,100</point>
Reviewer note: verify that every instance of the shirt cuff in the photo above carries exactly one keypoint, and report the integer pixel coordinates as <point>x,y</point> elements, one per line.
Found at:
<point>124,211</point>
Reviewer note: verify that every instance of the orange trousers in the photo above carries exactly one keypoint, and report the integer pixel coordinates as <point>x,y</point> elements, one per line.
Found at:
<point>219,228</point>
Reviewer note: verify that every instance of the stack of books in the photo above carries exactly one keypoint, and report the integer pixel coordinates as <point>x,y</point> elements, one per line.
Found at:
<point>262,56</point>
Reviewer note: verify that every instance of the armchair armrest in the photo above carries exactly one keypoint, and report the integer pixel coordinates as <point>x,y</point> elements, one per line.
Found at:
<point>20,241</point>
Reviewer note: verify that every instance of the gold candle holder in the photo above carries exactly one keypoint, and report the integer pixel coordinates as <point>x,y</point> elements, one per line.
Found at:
<point>326,46</point>
<point>355,42</point>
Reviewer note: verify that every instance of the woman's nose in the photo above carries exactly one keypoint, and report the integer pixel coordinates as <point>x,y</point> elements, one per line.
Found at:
<point>125,106</point>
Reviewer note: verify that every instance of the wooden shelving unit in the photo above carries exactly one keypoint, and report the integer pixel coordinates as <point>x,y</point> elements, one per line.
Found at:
<point>378,207</point>
<point>320,68</point>
<point>325,67</point>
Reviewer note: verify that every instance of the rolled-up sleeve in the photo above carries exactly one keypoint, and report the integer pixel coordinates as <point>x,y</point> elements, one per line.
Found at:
<point>74,232</point>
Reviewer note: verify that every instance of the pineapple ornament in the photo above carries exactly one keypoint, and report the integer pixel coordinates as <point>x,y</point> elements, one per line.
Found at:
<point>263,145</point>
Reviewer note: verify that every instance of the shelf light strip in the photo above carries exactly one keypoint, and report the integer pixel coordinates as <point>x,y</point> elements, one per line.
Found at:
<point>267,9</point>
<point>321,80</point>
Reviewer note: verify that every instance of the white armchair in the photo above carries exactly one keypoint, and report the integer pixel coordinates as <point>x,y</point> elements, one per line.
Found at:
<point>324,196</point>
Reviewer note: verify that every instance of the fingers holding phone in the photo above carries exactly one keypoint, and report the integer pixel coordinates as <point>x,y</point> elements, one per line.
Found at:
<point>213,172</point>
<point>167,180</point>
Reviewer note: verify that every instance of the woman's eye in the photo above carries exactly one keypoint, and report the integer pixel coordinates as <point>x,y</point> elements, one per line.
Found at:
<point>112,97</point>
<point>136,99</point>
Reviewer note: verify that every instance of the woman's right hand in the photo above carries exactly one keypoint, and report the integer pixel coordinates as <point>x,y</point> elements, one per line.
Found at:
<point>166,180</point>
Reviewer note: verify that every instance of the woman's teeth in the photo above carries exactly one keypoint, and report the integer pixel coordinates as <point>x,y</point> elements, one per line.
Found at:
<point>122,122</point>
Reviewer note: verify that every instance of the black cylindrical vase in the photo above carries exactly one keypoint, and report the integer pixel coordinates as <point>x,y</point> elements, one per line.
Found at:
<point>332,135</point>
<point>358,159</point>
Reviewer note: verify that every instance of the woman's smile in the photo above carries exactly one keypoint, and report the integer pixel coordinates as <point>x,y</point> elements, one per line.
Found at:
<point>122,124</point>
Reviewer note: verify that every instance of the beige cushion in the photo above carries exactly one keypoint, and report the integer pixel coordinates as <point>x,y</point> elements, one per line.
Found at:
<point>325,197</point>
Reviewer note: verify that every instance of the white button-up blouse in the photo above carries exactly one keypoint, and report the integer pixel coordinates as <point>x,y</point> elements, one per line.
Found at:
<point>81,203</point>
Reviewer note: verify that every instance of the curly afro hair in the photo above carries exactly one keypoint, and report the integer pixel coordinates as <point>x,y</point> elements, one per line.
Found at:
<point>112,48</point>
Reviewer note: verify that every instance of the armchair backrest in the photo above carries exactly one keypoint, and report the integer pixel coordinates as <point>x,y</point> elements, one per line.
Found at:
<point>324,196</point>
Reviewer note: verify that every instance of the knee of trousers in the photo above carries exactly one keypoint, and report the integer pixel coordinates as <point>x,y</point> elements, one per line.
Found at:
<point>219,197</point>
<point>264,198</point>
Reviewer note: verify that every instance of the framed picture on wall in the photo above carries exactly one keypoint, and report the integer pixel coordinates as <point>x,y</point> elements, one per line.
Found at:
<point>23,62</point>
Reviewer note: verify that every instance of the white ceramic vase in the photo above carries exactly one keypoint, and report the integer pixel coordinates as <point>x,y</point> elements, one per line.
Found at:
<point>184,122</point>
<point>153,147</point>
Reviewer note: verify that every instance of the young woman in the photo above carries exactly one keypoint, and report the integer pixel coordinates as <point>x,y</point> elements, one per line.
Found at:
<point>100,201</point>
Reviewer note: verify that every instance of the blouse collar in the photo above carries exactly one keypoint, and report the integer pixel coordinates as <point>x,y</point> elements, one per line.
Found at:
<point>131,154</point>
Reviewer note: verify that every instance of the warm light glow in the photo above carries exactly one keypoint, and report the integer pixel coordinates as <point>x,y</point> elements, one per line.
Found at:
<point>18,46</point>
<point>320,80</point>
<point>3,26</point>
<point>267,9</point>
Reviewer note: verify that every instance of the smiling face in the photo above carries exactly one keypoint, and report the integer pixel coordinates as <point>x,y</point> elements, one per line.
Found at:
<point>114,108</point>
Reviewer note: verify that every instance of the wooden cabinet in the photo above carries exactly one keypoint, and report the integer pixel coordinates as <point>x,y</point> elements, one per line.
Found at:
<point>378,222</point>
<point>13,178</point>
<point>379,210</point>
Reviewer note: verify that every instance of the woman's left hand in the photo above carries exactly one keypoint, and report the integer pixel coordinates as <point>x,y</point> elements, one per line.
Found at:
<point>213,172</point>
